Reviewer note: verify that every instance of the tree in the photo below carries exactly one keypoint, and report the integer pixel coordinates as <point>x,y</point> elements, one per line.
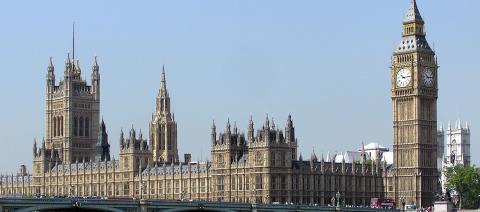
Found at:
<point>465,180</point>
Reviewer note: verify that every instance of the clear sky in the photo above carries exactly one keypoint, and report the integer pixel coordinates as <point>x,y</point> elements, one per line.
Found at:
<point>325,62</point>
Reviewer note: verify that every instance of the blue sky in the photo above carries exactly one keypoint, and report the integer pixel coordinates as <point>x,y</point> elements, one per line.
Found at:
<point>325,62</point>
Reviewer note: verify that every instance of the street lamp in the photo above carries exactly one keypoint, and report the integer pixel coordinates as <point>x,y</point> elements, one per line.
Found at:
<point>338,199</point>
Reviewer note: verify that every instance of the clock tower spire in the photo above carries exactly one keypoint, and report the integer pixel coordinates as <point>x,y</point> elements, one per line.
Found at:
<point>414,100</point>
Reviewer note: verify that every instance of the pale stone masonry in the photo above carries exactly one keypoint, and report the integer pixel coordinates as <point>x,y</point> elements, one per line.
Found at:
<point>261,166</point>
<point>414,83</point>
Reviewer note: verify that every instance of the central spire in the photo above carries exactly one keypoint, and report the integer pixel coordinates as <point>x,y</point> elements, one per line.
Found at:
<point>163,100</point>
<point>163,128</point>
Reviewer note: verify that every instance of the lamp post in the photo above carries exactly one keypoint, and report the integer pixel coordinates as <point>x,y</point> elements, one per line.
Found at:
<point>338,199</point>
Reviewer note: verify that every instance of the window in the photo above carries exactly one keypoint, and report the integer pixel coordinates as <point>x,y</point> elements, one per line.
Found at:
<point>169,187</point>
<point>185,185</point>
<point>177,187</point>
<point>220,183</point>
<point>272,159</point>
<point>80,128</point>
<point>202,185</point>
<point>194,186</point>
<point>152,187</point>
<point>75,126</point>
<point>125,189</point>
<point>258,181</point>
<point>54,126</point>
<point>160,187</point>
<point>61,125</point>
<point>258,158</point>
<point>240,183</point>
<point>220,161</point>
<point>58,126</point>
<point>273,183</point>
<point>295,182</point>
<point>87,126</point>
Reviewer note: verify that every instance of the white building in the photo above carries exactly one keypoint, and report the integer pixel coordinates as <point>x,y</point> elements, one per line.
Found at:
<point>458,144</point>
<point>373,151</point>
<point>457,147</point>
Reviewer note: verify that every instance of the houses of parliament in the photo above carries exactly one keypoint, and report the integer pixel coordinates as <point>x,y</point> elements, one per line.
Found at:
<point>261,165</point>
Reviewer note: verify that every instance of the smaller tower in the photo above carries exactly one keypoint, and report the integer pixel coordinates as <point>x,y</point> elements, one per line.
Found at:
<point>290,136</point>
<point>135,154</point>
<point>458,145</point>
<point>214,133</point>
<point>250,136</point>
<point>102,147</point>
<point>163,127</point>
<point>35,147</point>
<point>96,79</point>
<point>50,77</point>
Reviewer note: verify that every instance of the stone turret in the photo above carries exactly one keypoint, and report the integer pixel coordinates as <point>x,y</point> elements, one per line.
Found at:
<point>213,137</point>
<point>137,153</point>
<point>103,147</point>
<point>163,127</point>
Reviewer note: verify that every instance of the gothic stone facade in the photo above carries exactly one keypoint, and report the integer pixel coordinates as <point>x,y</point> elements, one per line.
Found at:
<point>414,81</point>
<point>252,168</point>
<point>257,167</point>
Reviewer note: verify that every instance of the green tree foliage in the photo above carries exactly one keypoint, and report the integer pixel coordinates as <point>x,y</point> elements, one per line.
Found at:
<point>466,181</point>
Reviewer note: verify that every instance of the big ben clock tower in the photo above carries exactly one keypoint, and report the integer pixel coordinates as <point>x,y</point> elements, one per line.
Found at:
<point>414,81</point>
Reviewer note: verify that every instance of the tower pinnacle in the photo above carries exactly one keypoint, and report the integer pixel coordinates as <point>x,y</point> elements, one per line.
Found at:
<point>163,82</point>
<point>50,65</point>
<point>413,14</point>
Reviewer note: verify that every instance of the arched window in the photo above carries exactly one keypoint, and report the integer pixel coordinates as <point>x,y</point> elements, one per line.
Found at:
<point>87,125</point>
<point>80,128</point>
<point>258,158</point>
<point>54,126</point>
<point>61,125</point>
<point>75,126</point>
<point>454,146</point>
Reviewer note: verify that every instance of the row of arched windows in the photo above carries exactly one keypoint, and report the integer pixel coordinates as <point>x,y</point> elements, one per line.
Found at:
<point>81,126</point>
<point>404,58</point>
<point>58,126</point>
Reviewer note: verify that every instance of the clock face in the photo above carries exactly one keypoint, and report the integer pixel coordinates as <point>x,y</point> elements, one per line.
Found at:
<point>404,76</point>
<point>427,77</point>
